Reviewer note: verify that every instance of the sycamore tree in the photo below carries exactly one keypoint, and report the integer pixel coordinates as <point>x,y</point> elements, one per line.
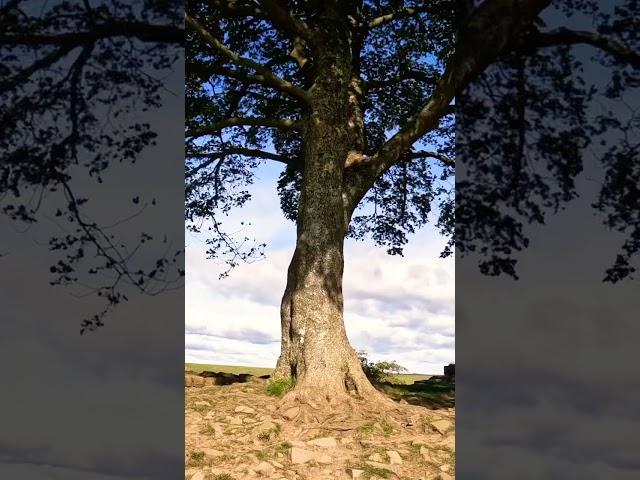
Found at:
<point>356,99</point>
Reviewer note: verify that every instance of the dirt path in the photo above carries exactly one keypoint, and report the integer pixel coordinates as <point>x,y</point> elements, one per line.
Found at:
<point>236,432</point>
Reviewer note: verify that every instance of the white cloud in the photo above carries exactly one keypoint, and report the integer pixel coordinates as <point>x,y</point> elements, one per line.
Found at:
<point>396,308</point>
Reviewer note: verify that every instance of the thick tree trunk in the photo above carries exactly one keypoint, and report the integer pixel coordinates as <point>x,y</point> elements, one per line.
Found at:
<point>315,349</point>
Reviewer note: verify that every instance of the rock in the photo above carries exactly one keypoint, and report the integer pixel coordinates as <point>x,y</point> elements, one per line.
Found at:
<point>202,403</point>
<point>394,457</point>
<point>291,413</point>
<point>355,473</point>
<point>443,476</point>
<point>450,442</point>
<point>376,457</point>
<point>198,476</point>
<point>444,468</point>
<point>267,426</point>
<point>194,381</point>
<point>324,442</point>
<point>426,453</point>
<point>297,443</point>
<point>265,468</point>
<point>300,455</point>
<point>441,426</point>
<point>234,420</point>
<point>323,458</point>
<point>212,452</point>
<point>243,409</point>
<point>276,464</point>
<point>346,440</point>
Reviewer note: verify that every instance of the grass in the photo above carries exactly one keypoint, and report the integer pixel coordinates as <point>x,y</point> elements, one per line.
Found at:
<point>235,369</point>
<point>371,471</point>
<point>402,379</point>
<point>282,448</point>
<point>207,429</point>
<point>197,459</point>
<point>370,427</point>
<point>427,394</point>
<point>220,476</point>
<point>262,456</point>
<point>277,388</point>
<point>267,435</point>
<point>407,378</point>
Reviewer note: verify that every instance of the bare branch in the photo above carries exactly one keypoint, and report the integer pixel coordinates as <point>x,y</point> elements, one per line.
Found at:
<point>445,159</point>
<point>284,123</point>
<point>268,77</point>
<point>569,37</point>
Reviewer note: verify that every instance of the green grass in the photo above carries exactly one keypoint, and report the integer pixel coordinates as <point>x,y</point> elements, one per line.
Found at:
<point>432,395</point>
<point>282,448</point>
<point>220,476</point>
<point>278,388</point>
<point>371,471</point>
<point>196,459</point>
<point>262,456</point>
<point>408,378</point>
<point>207,429</point>
<point>235,369</point>
<point>369,427</point>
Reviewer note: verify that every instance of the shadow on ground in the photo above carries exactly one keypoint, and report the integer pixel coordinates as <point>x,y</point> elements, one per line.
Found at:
<point>223,378</point>
<point>435,393</point>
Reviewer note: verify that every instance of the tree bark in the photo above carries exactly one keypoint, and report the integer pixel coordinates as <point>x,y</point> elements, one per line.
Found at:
<point>315,350</point>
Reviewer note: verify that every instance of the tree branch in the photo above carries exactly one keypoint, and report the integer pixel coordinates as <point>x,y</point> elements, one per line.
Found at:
<point>281,18</point>
<point>247,152</point>
<point>267,76</point>
<point>406,75</point>
<point>118,28</point>
<point>445,159</point>
<point>284,123</point>
<point>397,15</point>
<point>237,9</point>
<point>570,37</point>
<point>492,27</point>
<point>205,71</point>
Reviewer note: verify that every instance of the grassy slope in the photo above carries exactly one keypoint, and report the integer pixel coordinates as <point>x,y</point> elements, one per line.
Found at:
<point>405,379</point>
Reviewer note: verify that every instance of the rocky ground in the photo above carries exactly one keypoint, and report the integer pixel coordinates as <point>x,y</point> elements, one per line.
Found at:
<point>235,430</point>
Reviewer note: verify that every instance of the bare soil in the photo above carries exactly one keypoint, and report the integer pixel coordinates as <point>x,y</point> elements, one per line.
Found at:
<point>235,430</point>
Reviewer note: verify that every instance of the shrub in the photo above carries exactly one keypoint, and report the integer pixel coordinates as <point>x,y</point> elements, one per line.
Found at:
<point>379,372</point>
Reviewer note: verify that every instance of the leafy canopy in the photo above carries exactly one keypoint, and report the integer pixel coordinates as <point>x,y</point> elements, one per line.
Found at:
<point>248,69</point>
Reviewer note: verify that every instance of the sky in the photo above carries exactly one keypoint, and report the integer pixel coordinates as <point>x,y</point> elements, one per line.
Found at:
<point>396,308</point>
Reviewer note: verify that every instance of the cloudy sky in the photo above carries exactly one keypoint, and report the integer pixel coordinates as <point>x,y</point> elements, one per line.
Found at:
<point>395,308</point>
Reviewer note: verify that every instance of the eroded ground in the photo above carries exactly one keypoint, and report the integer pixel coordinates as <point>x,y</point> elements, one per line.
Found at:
<point>238,431</point>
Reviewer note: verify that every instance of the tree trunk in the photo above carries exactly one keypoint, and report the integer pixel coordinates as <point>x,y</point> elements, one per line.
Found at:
<point>315,349</point>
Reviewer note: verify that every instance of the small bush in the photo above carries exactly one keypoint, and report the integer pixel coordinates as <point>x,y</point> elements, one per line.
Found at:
<point>278,388</point>
<point>379,372</point>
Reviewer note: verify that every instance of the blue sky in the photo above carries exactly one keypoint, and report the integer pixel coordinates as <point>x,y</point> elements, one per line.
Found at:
<point>396,308</point>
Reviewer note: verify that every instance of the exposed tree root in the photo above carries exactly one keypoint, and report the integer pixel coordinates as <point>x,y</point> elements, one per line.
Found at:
<point>341,411</point>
